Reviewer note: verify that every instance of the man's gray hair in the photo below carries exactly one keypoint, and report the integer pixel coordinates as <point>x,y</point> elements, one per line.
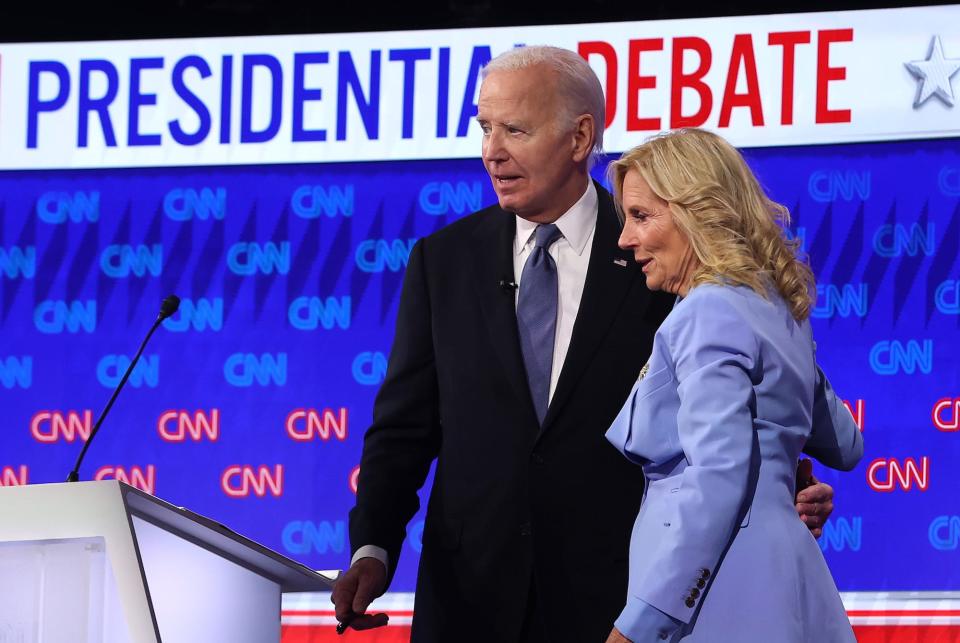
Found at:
<point>579,88</point>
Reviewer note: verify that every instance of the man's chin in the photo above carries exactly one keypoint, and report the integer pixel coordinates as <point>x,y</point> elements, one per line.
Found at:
<point>508,202</point>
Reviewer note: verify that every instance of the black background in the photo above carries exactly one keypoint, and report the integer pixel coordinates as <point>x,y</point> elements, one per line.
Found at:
<point>42,20</point>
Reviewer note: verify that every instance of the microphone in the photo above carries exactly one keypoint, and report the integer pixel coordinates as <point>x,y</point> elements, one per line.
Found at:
<point>508,285</point>
<point>167,308</point>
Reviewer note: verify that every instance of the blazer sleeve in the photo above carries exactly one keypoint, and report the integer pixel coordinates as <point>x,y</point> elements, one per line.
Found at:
<point>836,440</point>
<point>404,437</point>
<point>714,351</point>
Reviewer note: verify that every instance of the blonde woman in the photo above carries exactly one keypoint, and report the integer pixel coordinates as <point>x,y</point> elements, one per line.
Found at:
<point>730,397</point>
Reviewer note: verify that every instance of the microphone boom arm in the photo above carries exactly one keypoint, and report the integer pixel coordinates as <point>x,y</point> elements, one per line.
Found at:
<point>169,307</point>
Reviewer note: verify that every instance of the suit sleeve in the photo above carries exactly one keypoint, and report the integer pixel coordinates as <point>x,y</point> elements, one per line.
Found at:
<point>714,351</point>
<point>404,437</point>
<point>641,622</point>
<point>836,440</point>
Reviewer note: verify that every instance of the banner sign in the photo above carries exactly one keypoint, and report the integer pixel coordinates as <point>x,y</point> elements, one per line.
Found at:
<point>790,79</point>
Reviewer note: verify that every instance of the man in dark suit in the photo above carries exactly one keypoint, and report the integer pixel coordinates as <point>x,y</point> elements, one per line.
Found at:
<point>520,332</point>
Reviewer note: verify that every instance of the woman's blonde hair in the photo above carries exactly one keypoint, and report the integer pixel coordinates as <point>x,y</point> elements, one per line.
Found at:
<point>735,231</point>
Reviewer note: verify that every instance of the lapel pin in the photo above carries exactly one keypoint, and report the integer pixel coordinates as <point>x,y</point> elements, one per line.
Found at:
<point>643,371</point>
<point>620,262</point>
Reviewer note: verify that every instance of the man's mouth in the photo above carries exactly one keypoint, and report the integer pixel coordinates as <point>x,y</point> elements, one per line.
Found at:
<point>506,179</point>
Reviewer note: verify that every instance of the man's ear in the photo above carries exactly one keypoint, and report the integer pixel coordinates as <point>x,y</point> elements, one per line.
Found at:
<point>584,135</point>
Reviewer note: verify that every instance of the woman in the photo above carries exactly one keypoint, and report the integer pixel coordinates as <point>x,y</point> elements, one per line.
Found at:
<point>729,398</point>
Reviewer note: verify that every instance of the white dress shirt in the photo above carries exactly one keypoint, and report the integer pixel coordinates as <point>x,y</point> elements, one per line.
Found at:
<point>571,252</point>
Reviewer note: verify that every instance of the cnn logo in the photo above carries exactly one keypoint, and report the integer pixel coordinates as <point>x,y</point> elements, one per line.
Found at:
<point>14,476</point>
<point>143,478</point>
<point>180,426</point>
<point>888,474</point>
<point>53,426</point>
<point>242,481</point>
<point>304,425</point>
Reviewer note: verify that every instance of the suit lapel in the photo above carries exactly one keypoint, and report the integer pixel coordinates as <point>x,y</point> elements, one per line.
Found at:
<point>493,259</point>
<point>610,274</point>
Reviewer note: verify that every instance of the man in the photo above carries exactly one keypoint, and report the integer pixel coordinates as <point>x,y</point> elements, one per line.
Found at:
<point>517,343</point>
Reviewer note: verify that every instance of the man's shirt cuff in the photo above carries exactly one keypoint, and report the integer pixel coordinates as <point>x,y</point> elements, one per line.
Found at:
<point>371,551</point>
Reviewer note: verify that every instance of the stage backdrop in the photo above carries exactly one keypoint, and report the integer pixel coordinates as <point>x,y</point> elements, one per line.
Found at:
<point>155,168</point>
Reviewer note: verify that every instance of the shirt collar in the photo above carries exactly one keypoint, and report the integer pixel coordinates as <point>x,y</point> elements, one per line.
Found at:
<point>575,224</point>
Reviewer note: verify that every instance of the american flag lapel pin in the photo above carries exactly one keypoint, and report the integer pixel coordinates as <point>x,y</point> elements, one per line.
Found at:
<point>620,262</point>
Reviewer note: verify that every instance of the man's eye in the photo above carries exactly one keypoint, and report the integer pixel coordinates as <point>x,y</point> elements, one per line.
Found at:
<point>514,130</point>
<point>484,128</point>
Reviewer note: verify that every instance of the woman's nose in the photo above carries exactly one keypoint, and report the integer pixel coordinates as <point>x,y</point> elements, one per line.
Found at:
<point>626,240</point>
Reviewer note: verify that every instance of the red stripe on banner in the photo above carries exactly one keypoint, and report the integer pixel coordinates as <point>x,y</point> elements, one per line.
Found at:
<point>905,634</point>
<point>328,634</point>
<point>903,612</point>
<point>401,634</point>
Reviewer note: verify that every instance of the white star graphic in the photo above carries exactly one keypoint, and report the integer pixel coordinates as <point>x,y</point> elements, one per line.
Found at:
<point>934,75</point>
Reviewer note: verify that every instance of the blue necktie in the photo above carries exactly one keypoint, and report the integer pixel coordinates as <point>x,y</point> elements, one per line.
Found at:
<point>537,316</point>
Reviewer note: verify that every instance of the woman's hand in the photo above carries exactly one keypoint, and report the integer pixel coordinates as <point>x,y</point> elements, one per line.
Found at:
<point>617,637</point>
<point>814,499</point>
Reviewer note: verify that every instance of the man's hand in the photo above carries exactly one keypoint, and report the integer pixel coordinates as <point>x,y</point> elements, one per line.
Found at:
<point>617,637</point>
<point>814,499</point>
<point>355,590</point>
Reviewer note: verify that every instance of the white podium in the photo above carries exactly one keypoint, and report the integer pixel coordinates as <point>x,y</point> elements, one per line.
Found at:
<point>102,562</point>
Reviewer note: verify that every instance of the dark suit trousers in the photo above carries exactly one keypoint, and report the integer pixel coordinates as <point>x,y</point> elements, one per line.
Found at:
<point>534,630</point>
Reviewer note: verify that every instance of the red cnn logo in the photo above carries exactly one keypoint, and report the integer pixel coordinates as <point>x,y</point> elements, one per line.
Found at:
<point>948,406</point>
<point>857,409</point>
<point>239,481</point>
<point>304,424</point>
<point>177,426</point>
<point>50,426</point>
<point>134,476</point>
<point>895,474</point>
<point>9,476</point>
<point>354,478</point>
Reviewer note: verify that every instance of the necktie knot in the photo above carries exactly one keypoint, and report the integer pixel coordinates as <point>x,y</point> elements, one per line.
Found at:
<point>546,234</point>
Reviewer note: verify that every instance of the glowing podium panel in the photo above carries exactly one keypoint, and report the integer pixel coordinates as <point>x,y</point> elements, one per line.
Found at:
<point>102,562</point>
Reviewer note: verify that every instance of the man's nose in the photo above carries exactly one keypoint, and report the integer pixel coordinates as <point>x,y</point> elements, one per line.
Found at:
<point>493,148</point>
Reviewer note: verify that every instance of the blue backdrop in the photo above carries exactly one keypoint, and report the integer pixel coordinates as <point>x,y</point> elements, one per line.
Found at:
<point>251,403</point>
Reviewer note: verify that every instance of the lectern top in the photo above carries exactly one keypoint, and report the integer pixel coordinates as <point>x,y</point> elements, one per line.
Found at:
<point>223,541</point>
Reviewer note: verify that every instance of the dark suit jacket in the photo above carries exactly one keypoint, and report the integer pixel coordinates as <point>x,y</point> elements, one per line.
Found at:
<point>511,503</point>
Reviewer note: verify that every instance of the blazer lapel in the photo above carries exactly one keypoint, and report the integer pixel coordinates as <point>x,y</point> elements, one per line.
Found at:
<point>493,258</point>
<point>610,275</point>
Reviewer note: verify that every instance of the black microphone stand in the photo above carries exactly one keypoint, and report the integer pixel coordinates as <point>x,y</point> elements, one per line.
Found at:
<point>167,308</point>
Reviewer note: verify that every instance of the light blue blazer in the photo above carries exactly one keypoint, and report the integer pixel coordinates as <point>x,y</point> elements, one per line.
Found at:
<point>730,397</point>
